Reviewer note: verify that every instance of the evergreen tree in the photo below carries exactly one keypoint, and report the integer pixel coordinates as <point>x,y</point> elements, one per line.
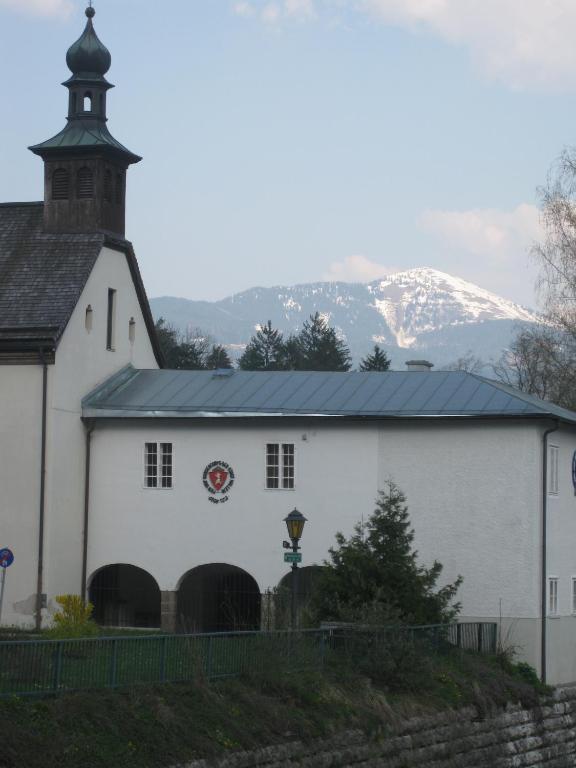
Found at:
<point>217,358</point>
<point>182,351</point>
<point>264,352</point>
<point>377,361</point>
<point>376,566</point>
<point>320,349</point>
<point>291,355</point>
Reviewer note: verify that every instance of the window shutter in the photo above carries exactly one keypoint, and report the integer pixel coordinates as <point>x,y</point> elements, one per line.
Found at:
<point>60,184</point>
<point>85,184</point>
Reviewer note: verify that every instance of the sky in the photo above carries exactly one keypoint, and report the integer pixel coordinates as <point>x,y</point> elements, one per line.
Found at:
<point>291,141</point>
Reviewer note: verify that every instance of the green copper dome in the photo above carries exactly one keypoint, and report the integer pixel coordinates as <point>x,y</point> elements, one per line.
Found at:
<point>88,56</point>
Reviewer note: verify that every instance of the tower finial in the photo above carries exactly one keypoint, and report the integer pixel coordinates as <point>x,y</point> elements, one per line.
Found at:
<point>90,12</point>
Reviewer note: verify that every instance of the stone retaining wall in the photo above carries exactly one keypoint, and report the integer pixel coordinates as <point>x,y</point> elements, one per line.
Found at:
<point>514,738</point>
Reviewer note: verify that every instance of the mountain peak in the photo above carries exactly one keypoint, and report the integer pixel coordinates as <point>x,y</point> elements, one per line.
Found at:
<point>420,309</point>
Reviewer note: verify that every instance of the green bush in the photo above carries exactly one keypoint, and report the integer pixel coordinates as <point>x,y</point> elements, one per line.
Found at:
<point>74,619</point>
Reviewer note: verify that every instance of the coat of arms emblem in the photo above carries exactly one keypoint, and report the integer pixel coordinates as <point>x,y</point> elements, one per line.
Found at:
<point>218,479</point>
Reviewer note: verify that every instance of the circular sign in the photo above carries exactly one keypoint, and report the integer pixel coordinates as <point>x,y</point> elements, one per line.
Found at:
<point>6,558</point>
<point>218,478</point>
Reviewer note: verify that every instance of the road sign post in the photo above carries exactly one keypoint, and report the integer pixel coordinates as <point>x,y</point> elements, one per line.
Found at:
<point>6,560</point>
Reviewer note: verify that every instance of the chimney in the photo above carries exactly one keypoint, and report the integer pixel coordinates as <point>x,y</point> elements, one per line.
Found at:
<point>419,365</point>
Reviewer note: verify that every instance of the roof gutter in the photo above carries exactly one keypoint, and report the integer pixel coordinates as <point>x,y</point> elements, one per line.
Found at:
<point>544,565</point>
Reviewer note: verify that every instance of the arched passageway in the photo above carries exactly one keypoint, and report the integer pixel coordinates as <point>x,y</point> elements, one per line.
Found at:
<point>281,610</point>
<point>218,598</point>
<point>125,596</point>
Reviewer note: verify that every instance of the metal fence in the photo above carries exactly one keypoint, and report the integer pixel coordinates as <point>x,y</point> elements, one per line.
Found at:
<point>47,667</point>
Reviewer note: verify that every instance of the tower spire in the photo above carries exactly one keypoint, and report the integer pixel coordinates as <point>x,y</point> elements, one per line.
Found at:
<point>85,166</point>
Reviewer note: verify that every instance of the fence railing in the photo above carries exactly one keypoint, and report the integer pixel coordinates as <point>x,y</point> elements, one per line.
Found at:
<point>44,667</point>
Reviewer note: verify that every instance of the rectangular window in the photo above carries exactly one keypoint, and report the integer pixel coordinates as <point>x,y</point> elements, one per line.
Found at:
<point>553,456</point>
<point>158,465</point>
<point>574,595</point>
<point>552,596</point>
<point>111,319</point>
<point>280,466</point>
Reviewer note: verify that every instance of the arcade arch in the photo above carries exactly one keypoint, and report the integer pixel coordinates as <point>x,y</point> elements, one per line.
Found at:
<point>307,577</point>
<point>125,596</point>
<point>218,598</point>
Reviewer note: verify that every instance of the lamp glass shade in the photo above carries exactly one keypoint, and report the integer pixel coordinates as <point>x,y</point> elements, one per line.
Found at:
<point>295,524</point>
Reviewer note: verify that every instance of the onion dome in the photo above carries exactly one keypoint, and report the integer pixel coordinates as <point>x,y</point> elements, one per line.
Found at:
<point>88,57</point>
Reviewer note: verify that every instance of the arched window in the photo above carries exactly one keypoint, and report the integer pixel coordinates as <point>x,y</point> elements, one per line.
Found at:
<point>108,186</point>
<point>119,188</point>
<point>85,187</point>
<point>60,184</point>
<point>88,102</point>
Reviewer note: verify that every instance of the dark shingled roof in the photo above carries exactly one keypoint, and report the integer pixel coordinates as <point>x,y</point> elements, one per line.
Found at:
<point>43,275</point>
<point>242,394</point>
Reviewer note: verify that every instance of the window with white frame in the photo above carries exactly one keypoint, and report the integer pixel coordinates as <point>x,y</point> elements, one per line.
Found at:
<point>280,466</point>
<point>158,465</point>
<point>553,455</point>
<point>553,596</point>
<point>574,595</point>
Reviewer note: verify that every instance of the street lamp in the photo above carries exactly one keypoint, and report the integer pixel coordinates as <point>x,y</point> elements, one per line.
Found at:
<point>295,524</point>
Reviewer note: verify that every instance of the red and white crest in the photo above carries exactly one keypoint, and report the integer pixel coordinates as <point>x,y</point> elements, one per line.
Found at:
<point>218,478</point>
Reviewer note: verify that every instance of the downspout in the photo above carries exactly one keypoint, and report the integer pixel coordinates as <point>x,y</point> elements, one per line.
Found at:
<point>544,546</point>
<point>40,576</point>
<point>89,430</point>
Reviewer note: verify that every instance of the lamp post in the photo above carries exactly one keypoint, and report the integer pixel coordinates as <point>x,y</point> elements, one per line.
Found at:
<point>295,525</point>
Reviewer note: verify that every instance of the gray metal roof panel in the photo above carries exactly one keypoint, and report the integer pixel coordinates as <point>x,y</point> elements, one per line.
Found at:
<point>392,394</point>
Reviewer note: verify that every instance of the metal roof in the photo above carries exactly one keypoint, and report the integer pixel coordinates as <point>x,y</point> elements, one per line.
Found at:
<point>394,394</point>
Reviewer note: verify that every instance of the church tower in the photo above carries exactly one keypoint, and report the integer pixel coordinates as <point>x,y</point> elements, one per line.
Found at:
<point>85,167</point>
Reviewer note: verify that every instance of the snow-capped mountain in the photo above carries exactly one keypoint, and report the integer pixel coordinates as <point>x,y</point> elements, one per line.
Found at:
<point>420,312</point>
<point>422,300</point>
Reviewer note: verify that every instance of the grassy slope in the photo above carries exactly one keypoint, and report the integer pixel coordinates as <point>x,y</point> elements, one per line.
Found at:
<point>168,725</point>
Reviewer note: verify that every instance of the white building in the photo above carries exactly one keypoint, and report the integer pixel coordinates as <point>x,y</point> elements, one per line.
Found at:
<point>161,494</point>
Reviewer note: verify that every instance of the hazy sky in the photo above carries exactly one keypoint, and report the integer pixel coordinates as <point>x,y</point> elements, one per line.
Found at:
<point>288,141</point>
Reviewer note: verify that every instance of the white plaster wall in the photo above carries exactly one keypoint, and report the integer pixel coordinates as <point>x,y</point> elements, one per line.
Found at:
<point>474,501</point>
<point>561,562</point>
<point>20,451</point>
<point>169,532</point>
<point>472,495</point>
<point>82,363</point>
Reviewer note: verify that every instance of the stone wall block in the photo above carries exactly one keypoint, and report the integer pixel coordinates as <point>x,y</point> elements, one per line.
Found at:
<point>514,738</point>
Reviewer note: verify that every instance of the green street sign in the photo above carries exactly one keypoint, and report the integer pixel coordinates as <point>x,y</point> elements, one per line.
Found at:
<point>292,557</point>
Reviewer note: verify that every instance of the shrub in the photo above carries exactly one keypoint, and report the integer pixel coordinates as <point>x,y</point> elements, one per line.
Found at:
<point>74,619</point>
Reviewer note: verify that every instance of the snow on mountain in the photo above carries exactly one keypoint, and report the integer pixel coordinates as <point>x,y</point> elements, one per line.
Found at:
<point>420,310</point>
<point>423,299</point>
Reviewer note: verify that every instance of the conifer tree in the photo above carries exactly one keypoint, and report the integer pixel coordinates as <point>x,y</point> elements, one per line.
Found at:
<point>181,351</point>
<point>319,347</point>
<point>265,351</point>
<point>376,566</point>
<point>218,358</point>
<point>378,360</point>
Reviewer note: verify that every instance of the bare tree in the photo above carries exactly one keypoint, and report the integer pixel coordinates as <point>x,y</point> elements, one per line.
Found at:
<point>541,361</point>
<point>557,253</point>
<point>469,362</point>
